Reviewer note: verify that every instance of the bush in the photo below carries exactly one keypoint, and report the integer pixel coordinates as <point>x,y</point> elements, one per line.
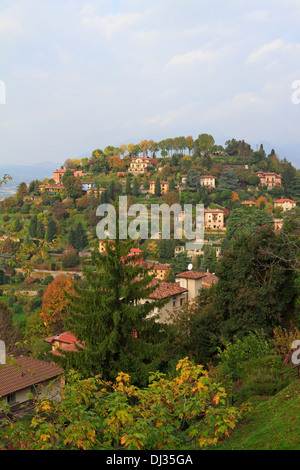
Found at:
<point>239,351</point>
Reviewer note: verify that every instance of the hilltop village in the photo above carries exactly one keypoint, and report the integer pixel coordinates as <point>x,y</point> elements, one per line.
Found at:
<point>244,279</point>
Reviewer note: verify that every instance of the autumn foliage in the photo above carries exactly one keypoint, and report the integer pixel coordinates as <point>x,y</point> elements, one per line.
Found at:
<point>55,302</point>
<point>189,411</point>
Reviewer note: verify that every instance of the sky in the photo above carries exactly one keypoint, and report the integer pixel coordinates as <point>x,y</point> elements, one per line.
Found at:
<point>80,75</point>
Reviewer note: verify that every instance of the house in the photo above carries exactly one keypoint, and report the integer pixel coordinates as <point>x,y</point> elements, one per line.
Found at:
<point>64,341</point>
<point>278,224</point>
<point>164,187</point>
<point>209,280</point>
<point>248,203</point>
<point>208,181</point>
<point>269,179</point>
<point>172,291</point>
<point>214,219</point>
<point>160,271</point>
<point>286,204</point>
<point>59,174</point>
<point>86,185</point>
<point>25,377</point>
<point>51,188</point>
<point>192,281</point>
<point>140,165</point>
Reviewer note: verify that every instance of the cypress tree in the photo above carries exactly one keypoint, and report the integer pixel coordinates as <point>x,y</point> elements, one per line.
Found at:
<point>107,316</point>
<point>33,226</point>
<point>157,189</point>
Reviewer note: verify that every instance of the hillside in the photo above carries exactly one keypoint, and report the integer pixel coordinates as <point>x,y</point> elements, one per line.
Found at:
<point>273,424</point>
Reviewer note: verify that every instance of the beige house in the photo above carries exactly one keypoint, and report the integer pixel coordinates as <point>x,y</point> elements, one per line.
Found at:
<point>269,179</point>
<point>172,291</point>
<point>208,181</point>
<point>214,219</point>
<point>192,281</point>
<point>140,165</point>
<point>26,377</point>
<point>278,224</point>
<point>286,204</point>
<point>164,187</point>
<point>160,271</point>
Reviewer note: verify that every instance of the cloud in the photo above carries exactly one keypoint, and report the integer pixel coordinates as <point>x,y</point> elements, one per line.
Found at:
<point>272,49</point>
<point>190,58</point>
<point>111,23</point>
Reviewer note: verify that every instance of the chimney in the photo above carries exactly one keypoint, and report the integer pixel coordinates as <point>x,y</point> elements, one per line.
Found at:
<point>2,353</point>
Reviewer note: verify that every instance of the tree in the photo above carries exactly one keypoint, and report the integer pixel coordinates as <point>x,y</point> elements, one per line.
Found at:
<point>255,288</point>
<point>228,180</point>
<point>40,230</point>
<point>128,186</point>
<point>110,321</point>
<point>51,230</point>
<point>33,226</point>
<point>157,189</point>
<point>187,410</point>
<point>54,304</point>
<point>135,189</point>
<point>73,186</point>
<point>247,220</point>
<point>77,237</point>
<point>193,179</point>
<point>70,258</point>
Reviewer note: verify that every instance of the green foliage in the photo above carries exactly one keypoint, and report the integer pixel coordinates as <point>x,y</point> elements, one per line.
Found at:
<point>107,316</point>
<point>238,352</point>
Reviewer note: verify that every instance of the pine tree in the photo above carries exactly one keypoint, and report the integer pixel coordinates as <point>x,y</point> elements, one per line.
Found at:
<point>33,226</point>
<point>51,230</point>
<point>128,186</point>
<point>40,229</point>
<point>108,317</point>
<point>135,189</point>
<point>157,189</point>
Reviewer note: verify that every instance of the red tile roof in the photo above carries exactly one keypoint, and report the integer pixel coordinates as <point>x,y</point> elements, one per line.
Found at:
<point>26,372</point>
<point>66,337</point>
<point>191,275</point>
<point>285,200</point>
<point>166,289</point>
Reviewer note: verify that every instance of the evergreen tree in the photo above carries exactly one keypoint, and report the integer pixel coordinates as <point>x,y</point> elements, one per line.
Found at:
<point>40,229</point>
<point>157,189</point>
<point>135,189</point>
<point>128,186</point>
<point>51,230</point>
<point>33,226</point>
<point>228,180</point>
<point>108,318</point>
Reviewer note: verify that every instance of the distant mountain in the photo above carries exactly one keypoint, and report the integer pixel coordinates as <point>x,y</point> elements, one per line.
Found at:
<point>28,173</point>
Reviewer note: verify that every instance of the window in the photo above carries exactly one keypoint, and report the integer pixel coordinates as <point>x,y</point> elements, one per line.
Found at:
<point>11,398</point>
<point>174,301</point>
<point>181,302</point>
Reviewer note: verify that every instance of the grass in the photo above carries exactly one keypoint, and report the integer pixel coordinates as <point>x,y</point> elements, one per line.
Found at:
<point>273,423</point>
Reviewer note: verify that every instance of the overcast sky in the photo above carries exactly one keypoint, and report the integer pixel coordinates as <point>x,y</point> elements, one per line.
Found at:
<point>84,75</point>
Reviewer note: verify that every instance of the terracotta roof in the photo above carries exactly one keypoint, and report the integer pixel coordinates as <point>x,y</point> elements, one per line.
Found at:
<point>191,275</point>
<point>162,267</point>
<point>66,337</point>
<point>214,210</point>
<point>207,176</point>
<point>285,200</point>
<point>26,372</point>
<point>209,279</point>
<point>166,289</point>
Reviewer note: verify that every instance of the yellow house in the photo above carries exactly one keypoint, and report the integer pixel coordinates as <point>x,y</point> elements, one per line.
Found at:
<point>286,204</point>
<point>208,181</point>
<point>164,187</point>
<point>140,165</point>
<point>214,219</point>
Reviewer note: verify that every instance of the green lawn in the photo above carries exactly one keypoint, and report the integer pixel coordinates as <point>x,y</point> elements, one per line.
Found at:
<point>273,424</point>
